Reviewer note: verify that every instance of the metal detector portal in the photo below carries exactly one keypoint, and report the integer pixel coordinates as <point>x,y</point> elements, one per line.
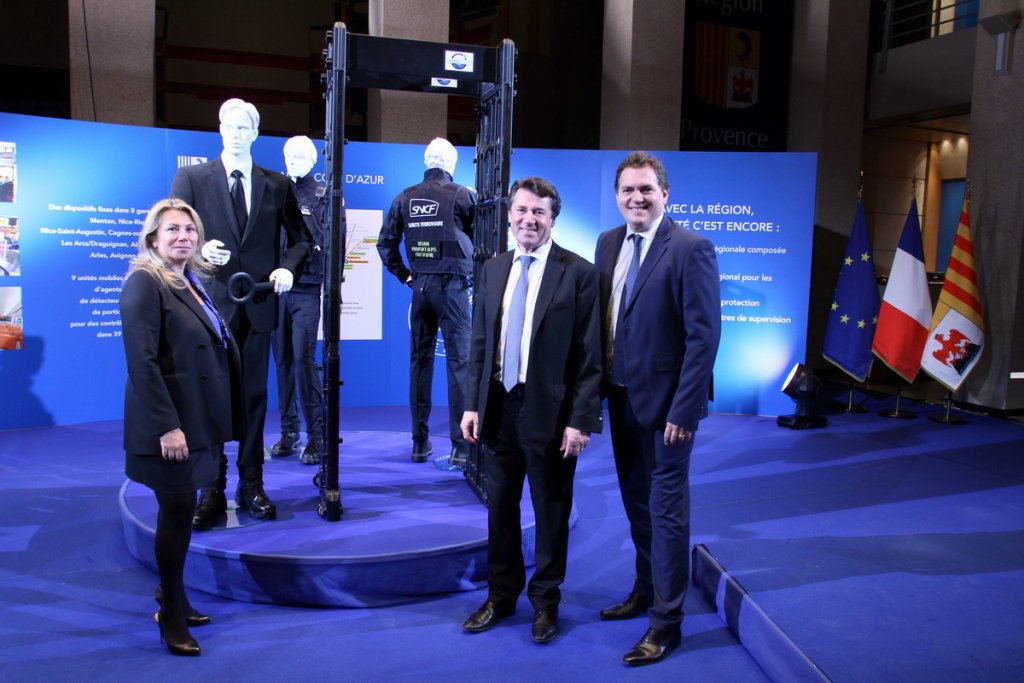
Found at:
<point>360,61</point>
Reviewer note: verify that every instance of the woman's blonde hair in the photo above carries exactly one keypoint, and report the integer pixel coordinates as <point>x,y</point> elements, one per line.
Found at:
<point>150,261</point>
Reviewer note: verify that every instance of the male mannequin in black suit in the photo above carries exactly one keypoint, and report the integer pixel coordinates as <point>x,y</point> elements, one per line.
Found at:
<point>660,338</point>
<point>245,219</point>
<point>534,402</point>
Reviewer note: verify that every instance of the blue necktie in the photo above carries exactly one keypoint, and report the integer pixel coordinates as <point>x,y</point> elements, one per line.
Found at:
<point>514,331</point>
<point>634,268</point>
<point>618,354</point>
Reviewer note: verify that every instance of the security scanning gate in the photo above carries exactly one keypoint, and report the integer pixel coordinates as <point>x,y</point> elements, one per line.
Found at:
<point>360,61</point>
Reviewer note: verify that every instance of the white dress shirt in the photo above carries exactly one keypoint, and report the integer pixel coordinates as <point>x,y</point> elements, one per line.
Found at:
<point>619,279</point>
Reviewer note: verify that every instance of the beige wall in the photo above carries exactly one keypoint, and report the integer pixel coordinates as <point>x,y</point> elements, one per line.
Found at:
<point>111,59</point>
<point>394,116</point>
<point>996,170</point>
<point>642,68</point>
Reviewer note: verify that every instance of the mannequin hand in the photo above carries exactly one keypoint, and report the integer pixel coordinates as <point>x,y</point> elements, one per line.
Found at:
<point>213,253</point>
<point>282,279</point>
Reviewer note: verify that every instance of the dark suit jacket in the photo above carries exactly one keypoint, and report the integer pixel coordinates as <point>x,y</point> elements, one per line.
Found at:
<point>671,327</point>
<point>563,378</point>
<point>258,251</point>
<point>179,373</point>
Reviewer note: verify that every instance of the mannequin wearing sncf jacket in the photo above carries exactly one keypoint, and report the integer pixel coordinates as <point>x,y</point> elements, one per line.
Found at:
<point>435,217</point>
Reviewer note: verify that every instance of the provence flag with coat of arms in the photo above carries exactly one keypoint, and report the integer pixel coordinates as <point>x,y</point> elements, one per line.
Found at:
<point>854,311</point>
<point>958,330</point>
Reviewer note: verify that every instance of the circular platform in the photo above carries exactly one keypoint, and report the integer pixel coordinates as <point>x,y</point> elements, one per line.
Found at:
<point>408,530</point>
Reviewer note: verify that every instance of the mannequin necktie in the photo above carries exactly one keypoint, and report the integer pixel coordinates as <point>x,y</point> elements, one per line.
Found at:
<point>618,354</point>
<point>238,201</point>
<point>514,331</point>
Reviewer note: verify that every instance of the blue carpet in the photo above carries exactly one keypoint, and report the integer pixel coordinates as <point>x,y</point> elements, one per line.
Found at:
<point>884,550</point>
<point>75,605</point>
<point>888,550</point>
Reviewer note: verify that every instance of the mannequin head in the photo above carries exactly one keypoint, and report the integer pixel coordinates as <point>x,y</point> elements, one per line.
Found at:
<point>239,126</point>
<point>299,156</point>
<point>441,154</point>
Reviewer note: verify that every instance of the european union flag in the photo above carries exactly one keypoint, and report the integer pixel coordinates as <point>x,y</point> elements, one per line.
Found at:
<point>854,313</point>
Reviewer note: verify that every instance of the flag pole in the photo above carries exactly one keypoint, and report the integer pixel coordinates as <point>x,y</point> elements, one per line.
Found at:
<point>897,413</point>
<point>850,407</point>
<point>853,314</point>
<point>906,312</point>
<point>957,331</point>
<point>948,418</point>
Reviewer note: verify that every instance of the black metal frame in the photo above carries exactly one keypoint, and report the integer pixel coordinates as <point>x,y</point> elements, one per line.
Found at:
<point>361,61</point>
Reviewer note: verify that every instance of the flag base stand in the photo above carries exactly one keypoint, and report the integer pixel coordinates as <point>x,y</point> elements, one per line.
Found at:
<point>850,407</point>
<point>897,413</point>
<point>948,418</point>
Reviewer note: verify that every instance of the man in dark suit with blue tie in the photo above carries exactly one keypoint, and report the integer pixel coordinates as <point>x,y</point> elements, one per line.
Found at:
<point>662,321</point>
<point>248,213</point>
<point>533,393</point>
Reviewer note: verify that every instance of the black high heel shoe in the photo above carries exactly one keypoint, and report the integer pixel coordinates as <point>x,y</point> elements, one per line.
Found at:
<point>184,648</point>
<point>193,618</point>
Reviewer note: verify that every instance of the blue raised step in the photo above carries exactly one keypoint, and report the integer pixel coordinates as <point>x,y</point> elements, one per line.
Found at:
<point>408,530</point>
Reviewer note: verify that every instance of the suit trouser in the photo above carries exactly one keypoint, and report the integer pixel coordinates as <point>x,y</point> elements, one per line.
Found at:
<point>654,480</point>
<point>294,347</point>
<point>516,455</point>
<point>438,301</point>
<point>255,351</point>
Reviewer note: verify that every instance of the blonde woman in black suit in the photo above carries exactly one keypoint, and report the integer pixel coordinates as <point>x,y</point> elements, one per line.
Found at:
<point>181,396</point>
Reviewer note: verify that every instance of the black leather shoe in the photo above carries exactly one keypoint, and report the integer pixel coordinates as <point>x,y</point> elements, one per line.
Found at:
<point>652,647</point>
<point>633,606</point>
<point>210,510</point>
<point>312,453</point>
<point>421,450</point>
<point>193,617</point>
<point>288,444</point>
<point>545,625</point>
<point>459,457</point>
<point>250,496</point>
<point>489,614</point>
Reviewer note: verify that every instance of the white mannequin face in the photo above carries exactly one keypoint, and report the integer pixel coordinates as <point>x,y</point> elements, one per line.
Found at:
<point>237,133</point>
<point>297,162</point>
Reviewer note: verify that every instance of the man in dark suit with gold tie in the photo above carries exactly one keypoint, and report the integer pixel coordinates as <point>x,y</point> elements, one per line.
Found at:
<point>245,210</point>
<point>534,393</point>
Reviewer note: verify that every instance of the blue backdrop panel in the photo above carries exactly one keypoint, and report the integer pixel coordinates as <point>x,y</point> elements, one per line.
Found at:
<point>83,190</point>
<point>758,210</point>
<point>80,189</point>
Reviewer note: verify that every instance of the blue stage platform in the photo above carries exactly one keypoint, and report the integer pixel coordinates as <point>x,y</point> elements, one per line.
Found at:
<point>408,530</point>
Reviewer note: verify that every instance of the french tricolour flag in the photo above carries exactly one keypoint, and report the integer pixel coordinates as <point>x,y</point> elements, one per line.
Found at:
<point>906,312</point>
